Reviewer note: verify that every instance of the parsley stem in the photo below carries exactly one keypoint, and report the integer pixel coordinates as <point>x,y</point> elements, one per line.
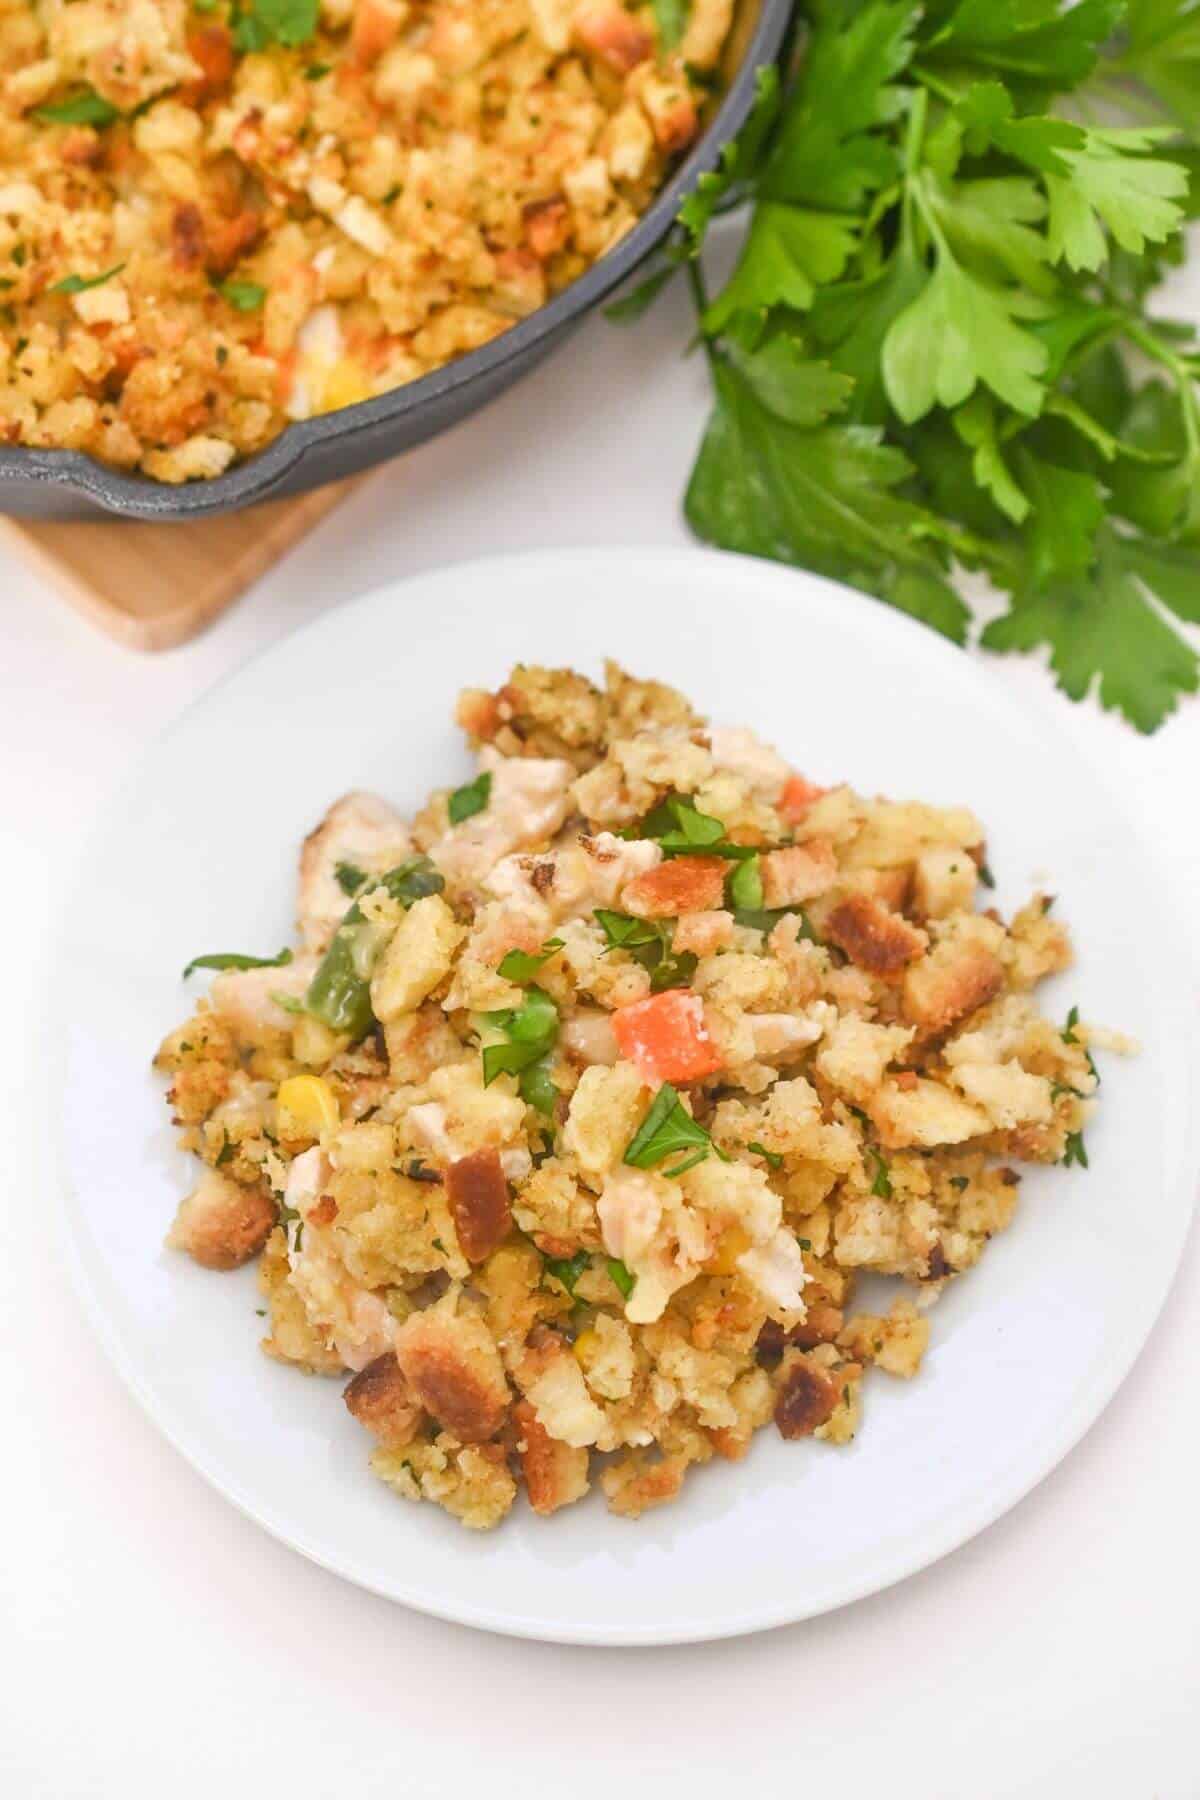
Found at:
<point>1152,346</point>
<point>941,88</point>
<point>695,276</point>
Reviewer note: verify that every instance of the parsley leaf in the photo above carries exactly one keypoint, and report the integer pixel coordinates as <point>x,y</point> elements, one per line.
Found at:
<point>530,1032</point>
<point>79,284</point>
<point>234,959</point>
<point>1074,1151</point>
<point>349,878</point>
<point>243,296</point>
<point>670,16</point>
<point>649,942</point>
<point>261,23</point>
<point>567,1269</point>
<point>668,1127</point>
<point>930,356</point>
<point>473,798</point>
<point>1102,631</point>
<point>522,965</point>
<point>86,108</point>
<point>622,1279</point>
<point>772,1158</point>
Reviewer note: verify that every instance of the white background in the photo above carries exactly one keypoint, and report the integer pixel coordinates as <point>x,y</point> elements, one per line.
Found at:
<point>160,1643</point>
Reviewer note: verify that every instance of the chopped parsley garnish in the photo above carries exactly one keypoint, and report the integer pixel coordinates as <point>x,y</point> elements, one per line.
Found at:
<point>804,1243</point>
<point>79,284</point>
<point>568,1269</point>
<point>668,1128</point>
<point>959,1182</point>
<point>234,959</point>
<point>772,1158</point>
<point>530,1031</point>
<point>524,965</point>
<point>1074,1151</point>
<point>317,71</point>
<point>466,801</point>
<point>243,296</point>
<point>226,1153</point>
<point>1069,1035</point>
<point>881,1186</point>
<point>621,1277</point>
<point>682,830</point>
<point>649,942</point>
<point>349,878</point>
<point>986,876</point>
<point>259,23</point>
<point>86,108</point>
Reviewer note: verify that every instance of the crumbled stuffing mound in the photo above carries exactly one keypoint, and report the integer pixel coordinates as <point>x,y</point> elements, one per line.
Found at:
<point>219,218</point>
<point>568,1129</point>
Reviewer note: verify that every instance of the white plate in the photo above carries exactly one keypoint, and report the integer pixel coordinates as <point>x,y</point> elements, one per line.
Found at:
<point>1026,1350</point>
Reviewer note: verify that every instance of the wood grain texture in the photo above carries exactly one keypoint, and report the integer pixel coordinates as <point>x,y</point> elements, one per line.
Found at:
<point>154,586</point>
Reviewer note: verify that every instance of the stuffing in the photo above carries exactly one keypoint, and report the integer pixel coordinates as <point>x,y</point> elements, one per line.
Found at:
<point>855,1054</point>
<point>257,226</point>
<point>471,1481</point>
<point>924,1113</point>
<point>549,1153</point>
<point>895,1344</point>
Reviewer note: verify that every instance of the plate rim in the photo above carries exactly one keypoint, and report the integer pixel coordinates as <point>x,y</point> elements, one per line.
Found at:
<point>951,1530</point>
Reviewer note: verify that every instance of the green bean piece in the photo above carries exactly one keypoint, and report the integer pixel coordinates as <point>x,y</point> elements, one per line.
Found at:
<point>339,994</point>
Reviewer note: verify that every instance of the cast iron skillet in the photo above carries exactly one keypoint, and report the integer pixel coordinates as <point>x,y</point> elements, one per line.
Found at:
<point>65,484</point>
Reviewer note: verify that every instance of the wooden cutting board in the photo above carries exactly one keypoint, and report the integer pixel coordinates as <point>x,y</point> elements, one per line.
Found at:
<point>154,586</point>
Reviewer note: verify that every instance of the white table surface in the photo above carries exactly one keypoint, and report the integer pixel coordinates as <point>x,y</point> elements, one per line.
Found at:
<point>157,1642</point>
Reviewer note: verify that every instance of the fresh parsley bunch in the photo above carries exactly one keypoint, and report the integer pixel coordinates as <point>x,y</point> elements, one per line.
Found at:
<point>935,352</point>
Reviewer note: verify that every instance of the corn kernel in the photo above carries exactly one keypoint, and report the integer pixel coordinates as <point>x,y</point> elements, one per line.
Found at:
<point>734,1243</point>
<point>586,1348</point>
<point>307,1107</point>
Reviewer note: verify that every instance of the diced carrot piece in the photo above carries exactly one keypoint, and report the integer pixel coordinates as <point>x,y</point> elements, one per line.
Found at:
<point>665,1037</point>
<point>797,796</point>
<point>686,885</point>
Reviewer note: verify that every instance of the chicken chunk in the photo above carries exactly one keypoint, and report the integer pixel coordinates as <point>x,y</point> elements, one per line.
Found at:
<point>360,834</point>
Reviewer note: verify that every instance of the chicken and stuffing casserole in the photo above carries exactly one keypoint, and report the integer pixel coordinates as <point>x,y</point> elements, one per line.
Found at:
<point>587,1096</point>
<point>221,217</point>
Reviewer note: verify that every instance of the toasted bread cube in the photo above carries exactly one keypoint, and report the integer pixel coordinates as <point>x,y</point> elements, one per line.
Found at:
<point>477,1194</point>
<point>873,937</point>
<point>957,977</point>
<point>689,884</point>
<point>800,872</point>
<point>555,1473</point>
<point>222,1224</point>
<point>380,1398</point>
<point>453,1367</point>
